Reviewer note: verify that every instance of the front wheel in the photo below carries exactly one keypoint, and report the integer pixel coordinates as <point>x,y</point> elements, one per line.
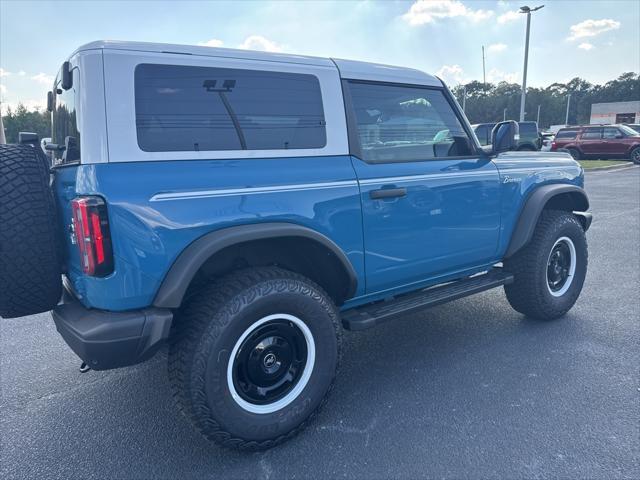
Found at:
<point>254,357</point>
<point>550,271</point>
<point>635,155</point>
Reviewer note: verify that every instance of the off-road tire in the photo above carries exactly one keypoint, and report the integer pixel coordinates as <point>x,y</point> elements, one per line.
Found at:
<point>208,327</point>
<point>30,260</point>
<point>529,293</point>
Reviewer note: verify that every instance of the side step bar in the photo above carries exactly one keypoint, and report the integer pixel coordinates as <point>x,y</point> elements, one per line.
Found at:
<point>368,316</point>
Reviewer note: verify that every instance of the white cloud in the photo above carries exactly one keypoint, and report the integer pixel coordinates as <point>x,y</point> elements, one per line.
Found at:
<point>496,48</point>
<point>428,11</point>
<point>43,78</point>
<point>4,73</point>
<point>494,76</point>
<point>22,73</point>
<point>258,42</point>
<point>509,16</point>
<point>3,89</point>
<point>452,74</point>
<point>585,46</point>
<point>591,28</point>
<point>214,42</point>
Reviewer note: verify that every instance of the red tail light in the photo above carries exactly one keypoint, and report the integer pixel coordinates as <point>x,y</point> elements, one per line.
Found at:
<point>91,227</point>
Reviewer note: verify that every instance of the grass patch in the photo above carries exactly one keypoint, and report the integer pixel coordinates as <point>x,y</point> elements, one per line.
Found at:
<point>587,164</point>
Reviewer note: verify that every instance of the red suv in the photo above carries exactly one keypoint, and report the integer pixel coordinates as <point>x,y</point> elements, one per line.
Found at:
<point>601,141</point>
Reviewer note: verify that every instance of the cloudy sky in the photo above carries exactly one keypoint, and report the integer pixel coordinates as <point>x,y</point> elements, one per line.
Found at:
<point>596,40</point>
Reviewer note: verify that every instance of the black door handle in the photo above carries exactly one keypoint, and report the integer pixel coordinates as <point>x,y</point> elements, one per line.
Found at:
<point>387,193</point>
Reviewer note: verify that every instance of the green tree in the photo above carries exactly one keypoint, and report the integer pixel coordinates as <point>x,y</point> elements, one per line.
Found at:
<point>23,120</point>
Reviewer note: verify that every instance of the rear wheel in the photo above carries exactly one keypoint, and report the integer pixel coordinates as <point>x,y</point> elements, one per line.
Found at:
<point>575,153</point>
<point>550,271</point>
<point>30,260</point>
<point>635,155</point>
<point>254,357</point>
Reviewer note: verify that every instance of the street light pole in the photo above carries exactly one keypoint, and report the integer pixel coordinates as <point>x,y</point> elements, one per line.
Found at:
<point>464,98</point>
<point>538,117</point>
<point>566,118</point>
<point>528,11</point>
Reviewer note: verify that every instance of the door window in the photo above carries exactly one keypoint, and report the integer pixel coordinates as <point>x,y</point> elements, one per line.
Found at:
<point>591,134</point>
<point>611,132</point>
<point>400,124</point>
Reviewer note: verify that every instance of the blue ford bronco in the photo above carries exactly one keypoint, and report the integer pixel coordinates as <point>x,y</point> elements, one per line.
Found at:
<point>244,207</point>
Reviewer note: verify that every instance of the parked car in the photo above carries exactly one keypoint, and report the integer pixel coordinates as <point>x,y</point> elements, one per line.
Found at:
<point>635,126</point>
<point>529,137</point>
<point>547,139</point>
<point>244,207</point>
<point>601,141</point>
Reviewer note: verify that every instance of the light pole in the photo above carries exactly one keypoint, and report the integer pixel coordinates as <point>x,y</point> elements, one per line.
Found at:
<point>504,115</point>
<point>528,11</point>
<point>566,118</point>
<point>538,116</point>
<point>464,98</point>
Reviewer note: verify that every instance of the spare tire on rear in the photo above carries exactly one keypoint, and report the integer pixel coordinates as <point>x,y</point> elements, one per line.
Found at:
<point>30,259</point>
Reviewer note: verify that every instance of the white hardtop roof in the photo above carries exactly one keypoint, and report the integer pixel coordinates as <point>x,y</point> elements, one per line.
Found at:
<point>349,69</point>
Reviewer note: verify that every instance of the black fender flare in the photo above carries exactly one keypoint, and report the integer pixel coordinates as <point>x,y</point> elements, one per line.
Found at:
<point>185,267</point>
<point>577,202</point>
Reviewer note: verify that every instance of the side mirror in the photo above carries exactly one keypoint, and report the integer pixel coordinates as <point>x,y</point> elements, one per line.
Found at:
<point>67,77</point>
<point>505,137</point>
<point>28,138</point>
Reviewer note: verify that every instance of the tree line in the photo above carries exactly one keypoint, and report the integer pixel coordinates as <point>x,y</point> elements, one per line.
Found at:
<point>485,102</point>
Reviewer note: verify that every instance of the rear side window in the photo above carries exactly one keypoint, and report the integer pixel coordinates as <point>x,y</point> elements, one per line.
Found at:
<point>591,133</point>
<point>566,134</point>
<point>64,122</point>
<point>397,123</point>
<point>184,108</point>
<point>528,130</point>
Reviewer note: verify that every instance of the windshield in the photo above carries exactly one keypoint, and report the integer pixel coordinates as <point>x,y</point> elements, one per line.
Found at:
<point>629,131</point>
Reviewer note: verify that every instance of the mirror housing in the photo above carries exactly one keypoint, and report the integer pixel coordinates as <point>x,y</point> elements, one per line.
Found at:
<point>49,101</point>
<point>505,137</point>
<point>67,77</point>
<point>28,138</point>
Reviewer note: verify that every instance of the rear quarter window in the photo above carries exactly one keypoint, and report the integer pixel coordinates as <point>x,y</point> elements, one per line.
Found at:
<point>187,108</point>
<point>566,134</point>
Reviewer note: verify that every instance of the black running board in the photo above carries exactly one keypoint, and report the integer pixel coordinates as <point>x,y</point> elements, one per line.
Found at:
<point>371,315</point>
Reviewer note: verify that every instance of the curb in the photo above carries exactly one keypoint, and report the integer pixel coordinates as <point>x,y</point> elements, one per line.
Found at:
<point>612,167</point>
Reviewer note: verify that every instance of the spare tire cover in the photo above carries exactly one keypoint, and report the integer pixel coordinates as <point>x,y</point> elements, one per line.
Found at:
<point>30,259</point>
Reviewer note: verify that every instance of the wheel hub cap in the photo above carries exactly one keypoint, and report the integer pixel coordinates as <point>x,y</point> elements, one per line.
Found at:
<point>561,266</point>
<point>269,362</point>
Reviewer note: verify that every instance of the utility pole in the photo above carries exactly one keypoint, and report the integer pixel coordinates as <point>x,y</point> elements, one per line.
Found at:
<point>484,73</point>
<point>528,11</point>
<point>538,117</point>
<point>566,118</point>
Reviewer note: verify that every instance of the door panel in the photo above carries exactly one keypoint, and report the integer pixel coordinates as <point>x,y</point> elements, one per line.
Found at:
<point>446,220</point>
<point>612,145</point>
<point>591,142</point>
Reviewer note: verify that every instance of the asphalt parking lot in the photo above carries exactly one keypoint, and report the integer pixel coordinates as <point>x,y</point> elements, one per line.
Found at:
<point>467,389</point>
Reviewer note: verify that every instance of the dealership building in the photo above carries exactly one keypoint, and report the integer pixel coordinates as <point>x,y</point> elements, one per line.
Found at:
<point>615,112</point>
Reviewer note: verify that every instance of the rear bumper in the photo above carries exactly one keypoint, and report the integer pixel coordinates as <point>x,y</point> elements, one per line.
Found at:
<point>106,340</point>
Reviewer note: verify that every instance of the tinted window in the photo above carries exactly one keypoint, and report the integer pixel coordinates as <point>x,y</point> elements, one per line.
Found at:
<point>566,134</point>
<point>482,132</point>
<point>183,108</point>
<point>591,133</point>
<point>64,124</point>
<point>611,132</point>
<point>397,123</point>
<point>528,130</point>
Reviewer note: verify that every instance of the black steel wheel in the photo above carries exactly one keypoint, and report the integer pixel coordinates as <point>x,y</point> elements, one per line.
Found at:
<point>253,356</point>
